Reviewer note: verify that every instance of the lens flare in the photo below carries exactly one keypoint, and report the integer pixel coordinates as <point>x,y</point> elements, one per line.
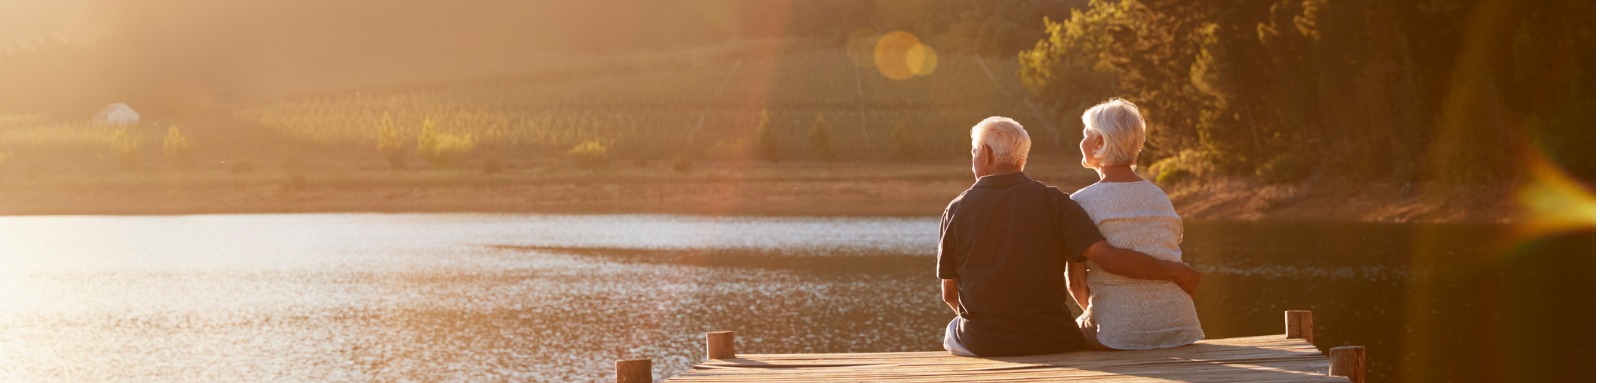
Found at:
<point>1552,201</point>
<point>922,59</point>
<point>899,55</point>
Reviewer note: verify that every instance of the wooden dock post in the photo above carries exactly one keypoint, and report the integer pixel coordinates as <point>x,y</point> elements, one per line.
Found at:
<point>719,345</point>
<point>1349,362</point>
<point>634,371</point>
<point>1297,325</point>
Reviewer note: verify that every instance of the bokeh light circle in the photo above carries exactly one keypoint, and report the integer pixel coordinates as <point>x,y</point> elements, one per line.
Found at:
<point>892,52</point>
<point>922,60</point>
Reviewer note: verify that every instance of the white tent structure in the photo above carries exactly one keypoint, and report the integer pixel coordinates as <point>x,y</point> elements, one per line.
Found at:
<point>118,114</point>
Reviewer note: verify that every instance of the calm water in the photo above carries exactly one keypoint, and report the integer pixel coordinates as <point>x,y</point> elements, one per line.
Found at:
<point>487,298</point>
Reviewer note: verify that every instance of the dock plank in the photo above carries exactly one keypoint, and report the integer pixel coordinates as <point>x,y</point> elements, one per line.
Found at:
<point>1270,358</point>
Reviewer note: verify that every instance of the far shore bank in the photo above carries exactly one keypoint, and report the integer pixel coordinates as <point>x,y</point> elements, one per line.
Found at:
<point>807,189</point>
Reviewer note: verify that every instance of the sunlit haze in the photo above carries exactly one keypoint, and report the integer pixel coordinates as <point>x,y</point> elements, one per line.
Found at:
<point>554,190</point>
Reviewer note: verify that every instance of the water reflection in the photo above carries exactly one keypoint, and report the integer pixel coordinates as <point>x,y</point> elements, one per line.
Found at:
<point>409,297</point>
<point>485,298</point>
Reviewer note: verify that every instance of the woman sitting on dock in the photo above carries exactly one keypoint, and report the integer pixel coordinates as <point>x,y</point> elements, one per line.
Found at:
<point>1122,313</point>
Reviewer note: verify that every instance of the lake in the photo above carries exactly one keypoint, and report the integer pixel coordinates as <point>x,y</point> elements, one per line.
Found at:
<point>492,297</point>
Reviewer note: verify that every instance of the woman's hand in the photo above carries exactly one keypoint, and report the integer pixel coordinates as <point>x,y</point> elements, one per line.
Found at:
<point>1078,284</point>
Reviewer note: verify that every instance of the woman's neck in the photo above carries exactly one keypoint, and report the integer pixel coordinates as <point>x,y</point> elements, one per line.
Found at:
<point>1118,173</point>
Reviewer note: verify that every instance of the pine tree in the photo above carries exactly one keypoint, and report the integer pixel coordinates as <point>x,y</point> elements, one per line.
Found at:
<point>766,141</point>
<point>821,139</point>
<point>905,145</point>
<point>177,149</point>
<point>427,139</point>
<point>389,143</point>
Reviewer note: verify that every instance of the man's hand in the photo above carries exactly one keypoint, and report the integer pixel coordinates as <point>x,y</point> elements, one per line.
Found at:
<point>952,297</point>
<point>1133,264</point>
<point>1186,278</point>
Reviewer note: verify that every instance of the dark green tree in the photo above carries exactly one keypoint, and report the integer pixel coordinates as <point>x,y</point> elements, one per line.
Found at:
<point>906,145</point>
<point>767,145</point>
<point>821,139</point>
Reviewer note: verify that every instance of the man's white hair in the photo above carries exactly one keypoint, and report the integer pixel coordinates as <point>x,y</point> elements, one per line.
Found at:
<point>1121,125</point>
<point>1004,137</point>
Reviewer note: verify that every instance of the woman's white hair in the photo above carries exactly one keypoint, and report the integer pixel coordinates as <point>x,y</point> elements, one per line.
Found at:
<point>1121,125</point>
<point>1004,137</point>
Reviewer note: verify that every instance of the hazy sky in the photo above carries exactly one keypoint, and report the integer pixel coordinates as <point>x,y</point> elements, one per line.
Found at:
<point>72,20</point>
<point>258,48</point>
<point>254,46</point>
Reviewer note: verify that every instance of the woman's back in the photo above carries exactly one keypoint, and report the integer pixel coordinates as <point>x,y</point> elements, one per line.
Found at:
<point>1127,313</point>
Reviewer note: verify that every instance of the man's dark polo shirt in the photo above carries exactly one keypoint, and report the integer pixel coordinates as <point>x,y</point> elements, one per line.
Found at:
<point>1007,240</point>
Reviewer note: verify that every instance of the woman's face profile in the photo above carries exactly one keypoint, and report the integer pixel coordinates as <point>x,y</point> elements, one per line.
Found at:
<point>1090,144</point>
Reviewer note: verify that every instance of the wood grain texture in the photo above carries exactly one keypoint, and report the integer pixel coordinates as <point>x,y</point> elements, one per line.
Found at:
<point>634,371</point>
<point>1271,358</point>
<point>1297,325</point>
<point>1348,361</point>
<point>719,345</point>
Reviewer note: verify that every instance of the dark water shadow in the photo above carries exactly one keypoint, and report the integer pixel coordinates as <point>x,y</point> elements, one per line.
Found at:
<point>1431,303</point>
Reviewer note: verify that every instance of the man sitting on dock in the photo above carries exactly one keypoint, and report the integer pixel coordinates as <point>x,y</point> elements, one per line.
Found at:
<point>1003,248</point>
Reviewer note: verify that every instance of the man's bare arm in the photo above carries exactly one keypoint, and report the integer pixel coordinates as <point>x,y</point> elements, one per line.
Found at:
<point>951,296</point>
<point>1133,264</point>
<point>1078,283</point>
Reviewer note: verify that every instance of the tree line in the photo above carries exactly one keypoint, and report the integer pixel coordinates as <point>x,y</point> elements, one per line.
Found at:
<point>1403,90</point>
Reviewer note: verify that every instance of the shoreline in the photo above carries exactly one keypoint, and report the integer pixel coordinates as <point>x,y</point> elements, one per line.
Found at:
<point>842,190</point>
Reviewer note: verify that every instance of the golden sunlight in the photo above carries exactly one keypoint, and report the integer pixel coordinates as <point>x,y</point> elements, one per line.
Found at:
<point>243,191</point>
<point>1552,201</point>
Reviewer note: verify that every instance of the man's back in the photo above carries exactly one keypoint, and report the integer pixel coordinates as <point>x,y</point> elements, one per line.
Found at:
<point>1007,241</point>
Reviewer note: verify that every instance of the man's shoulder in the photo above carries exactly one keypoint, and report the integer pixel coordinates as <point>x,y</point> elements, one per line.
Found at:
<point>1046,193</point>
<point>1053,191</point>
<point>1062,203</point>
<point>1054,195</point>
<point>956,201</point>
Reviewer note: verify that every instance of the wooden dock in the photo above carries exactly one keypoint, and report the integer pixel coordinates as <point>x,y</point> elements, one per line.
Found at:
<point>1288,357</point>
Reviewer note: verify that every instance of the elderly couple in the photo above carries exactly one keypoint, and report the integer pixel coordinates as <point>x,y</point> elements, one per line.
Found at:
<point>1005,243</point>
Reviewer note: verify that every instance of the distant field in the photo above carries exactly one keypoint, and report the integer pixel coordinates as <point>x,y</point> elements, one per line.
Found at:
<point>680,132</point>
<point>698,104</point>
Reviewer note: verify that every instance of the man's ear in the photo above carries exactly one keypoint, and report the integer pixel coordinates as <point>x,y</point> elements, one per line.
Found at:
<point>988,155</point>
